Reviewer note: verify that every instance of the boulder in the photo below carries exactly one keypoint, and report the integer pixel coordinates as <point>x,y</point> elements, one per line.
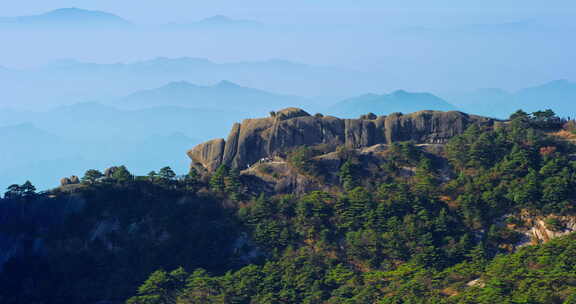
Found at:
<point>208,154</point>
<point>65,181</point>
<point>72,180</point>
<point>110,171</point>
<point>289,113</point>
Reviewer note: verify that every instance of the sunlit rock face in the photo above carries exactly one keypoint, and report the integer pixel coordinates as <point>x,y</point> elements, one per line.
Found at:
<point>255,139</point>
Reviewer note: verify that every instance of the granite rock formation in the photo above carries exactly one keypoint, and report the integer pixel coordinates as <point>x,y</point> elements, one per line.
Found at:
<point>72,180</point>
<point>256,139</point>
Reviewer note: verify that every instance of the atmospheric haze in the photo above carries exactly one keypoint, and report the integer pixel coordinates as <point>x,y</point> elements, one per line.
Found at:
<point>88,84</point>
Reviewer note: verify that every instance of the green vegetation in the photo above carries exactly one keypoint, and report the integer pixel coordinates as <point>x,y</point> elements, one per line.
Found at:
<point>103,239</point>
<point>91,176</point>
<point>416,227</point>
<point>389,237</point>
<point>554,224</point>
<point>301,159</point>
<point>543,274</point>
<point>17,192</point>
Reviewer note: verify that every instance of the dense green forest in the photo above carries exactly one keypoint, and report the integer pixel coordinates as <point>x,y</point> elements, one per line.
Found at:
<point>448,231</point>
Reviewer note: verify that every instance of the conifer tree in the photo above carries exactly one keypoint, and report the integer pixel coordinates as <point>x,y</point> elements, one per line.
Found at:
<point>14,191</point>
<point>28,190</point>
<point>167,174</point>
<point>346,175</point>
<point>122,175</point>
<point>91,176</point>
<point>217,181</point>
<point>233,186</point>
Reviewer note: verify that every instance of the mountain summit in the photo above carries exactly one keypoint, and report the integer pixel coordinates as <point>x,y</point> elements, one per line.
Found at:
<point>66,17</point>
<point>398,101</point>
<point>558,95</point>
<point>285,130</point>
<point>219,22</point>
<point>223,95</point>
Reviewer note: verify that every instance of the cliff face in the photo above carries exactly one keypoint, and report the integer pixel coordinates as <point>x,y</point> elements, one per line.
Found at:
<point>255,139</point>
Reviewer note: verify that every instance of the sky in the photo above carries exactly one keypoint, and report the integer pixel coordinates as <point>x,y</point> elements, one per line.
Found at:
<point>416,44</point>
<point>287,11</point>
<point>445,47</point>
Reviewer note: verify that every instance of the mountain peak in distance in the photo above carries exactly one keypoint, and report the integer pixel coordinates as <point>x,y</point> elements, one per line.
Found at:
<point>398,101</point>
<point>68,18</point>
<point>218,22</point>
<point>227,84</point>
<point>224,95</point>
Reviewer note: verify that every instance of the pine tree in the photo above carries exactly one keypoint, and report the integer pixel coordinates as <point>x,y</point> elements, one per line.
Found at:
<point>14,191</point>
<point>167,174</point>
<point>528,191</point>
<point>478,254</point>
<point>193,175</point>
<point>346,175</point>
<point>122,175</point>
<point>425,183</point>
<point>91,176</point>
<point>262,209</point>
<point>152,176</point>
<point>192,180</point>
<point>217,182</point>
<point>161,287</point>
<point>233,186</point>
<point>28,190</point>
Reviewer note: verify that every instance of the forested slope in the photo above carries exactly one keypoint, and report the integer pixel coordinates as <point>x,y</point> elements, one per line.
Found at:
<point>404,223</point>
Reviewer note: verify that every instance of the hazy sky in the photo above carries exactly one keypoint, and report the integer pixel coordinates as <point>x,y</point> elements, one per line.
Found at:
<point>438,46</point>
<point>286,11</point>
<point>412,44</point>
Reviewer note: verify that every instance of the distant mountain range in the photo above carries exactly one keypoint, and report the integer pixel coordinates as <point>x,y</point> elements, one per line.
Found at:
<point>75,18</point>
<point>169,119</point>
<point>42,146</point>
<point>70,81</point>
<point>224,95</point>
<point>398,101</point>
<point>103,122</point>
<point>217,22</point>
<point>155,127</point>
<point>559,95</point>
<point>19,141</point>
<point>70,18</point>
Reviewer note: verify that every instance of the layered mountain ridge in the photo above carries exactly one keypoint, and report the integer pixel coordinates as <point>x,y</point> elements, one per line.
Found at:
<point>66,17</point>
<point>397,101</point>
<point>222,95</point>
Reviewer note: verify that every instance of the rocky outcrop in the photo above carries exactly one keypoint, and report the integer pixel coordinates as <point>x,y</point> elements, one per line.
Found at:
<point>72,180</point>
<point>255,139</point>
<point>110,171</point>
<point>209,154</point>
<point>65,181</point>
<point>538,230</point>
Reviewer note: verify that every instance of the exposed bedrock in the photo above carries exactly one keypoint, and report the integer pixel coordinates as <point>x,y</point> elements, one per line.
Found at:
<point>255,139</point>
